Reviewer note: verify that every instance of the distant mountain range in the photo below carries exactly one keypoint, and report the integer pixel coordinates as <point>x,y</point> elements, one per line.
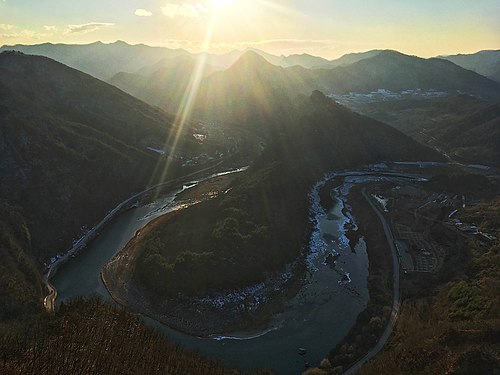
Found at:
<point>99,59</point>
<point>348,59</point>
<point>486,63</point>
<point>398,72</point>
<point>250,79</point>
<point>242,87</point>
<point>105,60</point>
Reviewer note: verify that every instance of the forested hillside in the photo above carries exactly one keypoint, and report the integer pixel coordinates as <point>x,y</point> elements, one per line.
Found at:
<point>238,238</point>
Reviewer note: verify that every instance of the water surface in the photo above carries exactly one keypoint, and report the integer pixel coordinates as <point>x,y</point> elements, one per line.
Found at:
<point>319,317</point>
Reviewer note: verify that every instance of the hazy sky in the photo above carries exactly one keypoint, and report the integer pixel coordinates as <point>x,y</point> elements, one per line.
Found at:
<point>327,28</point>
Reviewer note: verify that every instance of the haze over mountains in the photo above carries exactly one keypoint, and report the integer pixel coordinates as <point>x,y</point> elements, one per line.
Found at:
<point>388,70</point>
<point>486,63</point>
<point>240,86</point>
<point>105,60</point>
<point>99,59</point>
<point>163,84</point>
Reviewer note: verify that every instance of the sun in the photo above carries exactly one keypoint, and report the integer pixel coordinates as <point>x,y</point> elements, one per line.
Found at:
<point>222,3</point>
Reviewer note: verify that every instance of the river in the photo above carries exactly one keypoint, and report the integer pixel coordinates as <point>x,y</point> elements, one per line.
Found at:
<point>318,318</point>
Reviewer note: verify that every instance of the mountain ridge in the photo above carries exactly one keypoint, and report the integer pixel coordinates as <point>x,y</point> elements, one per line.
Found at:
<point>395,71</point>
<point>224,94</point>
<point>485,62</point>
<point>142,55</point>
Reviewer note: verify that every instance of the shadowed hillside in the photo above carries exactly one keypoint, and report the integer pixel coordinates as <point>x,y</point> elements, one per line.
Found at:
<point>251,91</point>
<point>71,148</point>
<point>163,84</point>
<point>464,127</point>
<point>474,137</point>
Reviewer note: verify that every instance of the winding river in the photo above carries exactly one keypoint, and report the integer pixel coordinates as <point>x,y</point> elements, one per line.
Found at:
<point>316,319</point>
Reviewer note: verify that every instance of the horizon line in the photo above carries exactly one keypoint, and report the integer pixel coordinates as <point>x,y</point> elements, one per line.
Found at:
<point>235,49</point>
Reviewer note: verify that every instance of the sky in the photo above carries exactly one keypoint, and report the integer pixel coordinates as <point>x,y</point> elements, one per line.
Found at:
<point>327,28</point>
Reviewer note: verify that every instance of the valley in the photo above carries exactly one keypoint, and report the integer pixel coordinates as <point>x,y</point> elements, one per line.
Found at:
<point>348,277</point>
<point>247,213</point>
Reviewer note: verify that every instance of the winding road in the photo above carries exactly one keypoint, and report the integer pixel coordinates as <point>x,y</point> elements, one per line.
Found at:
<point>49,302</point>
<point>396,297</point>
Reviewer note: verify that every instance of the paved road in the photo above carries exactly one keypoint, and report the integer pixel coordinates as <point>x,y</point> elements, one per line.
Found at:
<point>49,302</point>
<point>396,298</point>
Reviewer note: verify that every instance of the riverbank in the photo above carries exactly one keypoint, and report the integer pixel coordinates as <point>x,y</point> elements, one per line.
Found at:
<point>371,322</point>
<point>194,318</point>
<point>193,315</point>
<point>242,310</point>
<point>90,235</point>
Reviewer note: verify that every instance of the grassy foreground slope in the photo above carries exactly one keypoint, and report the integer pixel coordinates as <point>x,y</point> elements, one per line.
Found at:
<point>90,337</point>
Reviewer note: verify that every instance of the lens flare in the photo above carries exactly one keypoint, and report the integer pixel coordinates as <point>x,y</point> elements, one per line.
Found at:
<point>218,19</point>
<point>184,112</point>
